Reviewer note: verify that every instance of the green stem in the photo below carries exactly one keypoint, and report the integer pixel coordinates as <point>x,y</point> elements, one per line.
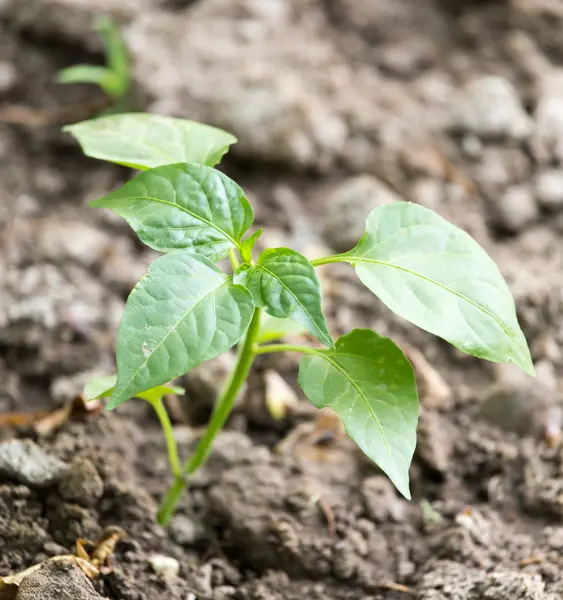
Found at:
<point>235,263</point>
<point>218,418</point>
<point>171,446</point>
<point>267,349</point>
<point>336,258</point>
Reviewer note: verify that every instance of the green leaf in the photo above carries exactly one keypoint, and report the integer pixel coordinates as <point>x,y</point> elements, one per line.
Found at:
<point>157,393</point>
<point>143,141</point>
<point>103,386</point>
<point>368,381</point>
<point>183,206</point>
<point>182,313</point>
<point>272,329</point>
<point>248,245</point>
<point>86,74</point>
<point>284,282</point>
<point>99,387</point>
<point>437,276</point>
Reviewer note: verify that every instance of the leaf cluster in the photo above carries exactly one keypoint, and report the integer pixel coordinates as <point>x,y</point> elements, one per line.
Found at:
<point>186,310</point>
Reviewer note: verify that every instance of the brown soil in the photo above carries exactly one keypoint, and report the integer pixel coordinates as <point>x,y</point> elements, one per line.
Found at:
<point>318,522</point>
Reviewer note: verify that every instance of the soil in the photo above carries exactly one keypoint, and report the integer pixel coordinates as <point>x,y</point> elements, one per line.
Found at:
<point>339,105</point>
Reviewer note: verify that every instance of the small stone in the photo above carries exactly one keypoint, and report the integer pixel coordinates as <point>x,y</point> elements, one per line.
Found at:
<point>54,549</point>
<point>549,188</point>
<point>347,206</point>
<point>490,108</point>
<point>164,565</point>
<point>224,592</point>
<point>57,580</point>
<point>26,462</point>
<point>183,530</point>
<point>8,76</point>
<point>554,537</point>
<point>547,141</point>
<point>516,209</point>
<point>82,483</point>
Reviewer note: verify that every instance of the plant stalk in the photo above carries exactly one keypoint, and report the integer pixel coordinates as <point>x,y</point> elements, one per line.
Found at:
<point>218,418</point>
<point>171,446</point>
<point>327,260</point>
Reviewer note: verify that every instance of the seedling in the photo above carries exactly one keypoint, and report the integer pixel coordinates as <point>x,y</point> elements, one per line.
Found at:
<point>186,311</point>
<point>115,78</point>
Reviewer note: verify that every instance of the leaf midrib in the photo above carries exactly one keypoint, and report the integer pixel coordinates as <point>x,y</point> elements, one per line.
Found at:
<point>323,336</point>
<point>173,329</point>
<point>324,354</point>
<point>189,212</point>
<point>433,281</point>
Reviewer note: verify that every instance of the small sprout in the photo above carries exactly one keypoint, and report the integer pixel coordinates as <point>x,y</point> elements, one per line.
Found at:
<point>186,310</point>
<point>429,513</point>
<point>115,78</point>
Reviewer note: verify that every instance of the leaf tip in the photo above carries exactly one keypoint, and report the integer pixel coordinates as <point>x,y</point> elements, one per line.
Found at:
<point>401,482</point>
<point>521,356</point>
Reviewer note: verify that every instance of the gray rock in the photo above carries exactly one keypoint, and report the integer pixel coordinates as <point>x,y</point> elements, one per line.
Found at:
<point>82,483</point>
<point>548,188</point>
<point>516,209</point>
<point>27,463</point>
<point>547,140</point>
<point>490,108</point>
<point>183,530</point>
<point>8,76</point>
<point>57,580</point>
<point>345,209</point>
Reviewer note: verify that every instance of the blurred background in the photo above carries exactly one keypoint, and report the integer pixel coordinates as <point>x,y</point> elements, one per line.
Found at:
<point>339,106</point>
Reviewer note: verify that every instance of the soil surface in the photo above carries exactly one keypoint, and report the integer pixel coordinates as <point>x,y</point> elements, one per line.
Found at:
<point>339,105</point>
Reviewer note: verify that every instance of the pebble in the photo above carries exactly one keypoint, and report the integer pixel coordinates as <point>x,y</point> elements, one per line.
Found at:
<point>516,209</point>
<point>554,537</point>
<point>164,565</point>
<point>547,141</point>
<point>57,581</point>
<point>183,530</point>
<point>549,188</point>
<point>490,108</point>
<point>8,76</point>
<point>82,483</point>
<point>26,462</point>
<point>347,207</point>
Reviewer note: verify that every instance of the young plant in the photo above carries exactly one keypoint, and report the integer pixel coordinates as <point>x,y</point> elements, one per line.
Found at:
<point>186,310</point>
<point>115,78</point>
